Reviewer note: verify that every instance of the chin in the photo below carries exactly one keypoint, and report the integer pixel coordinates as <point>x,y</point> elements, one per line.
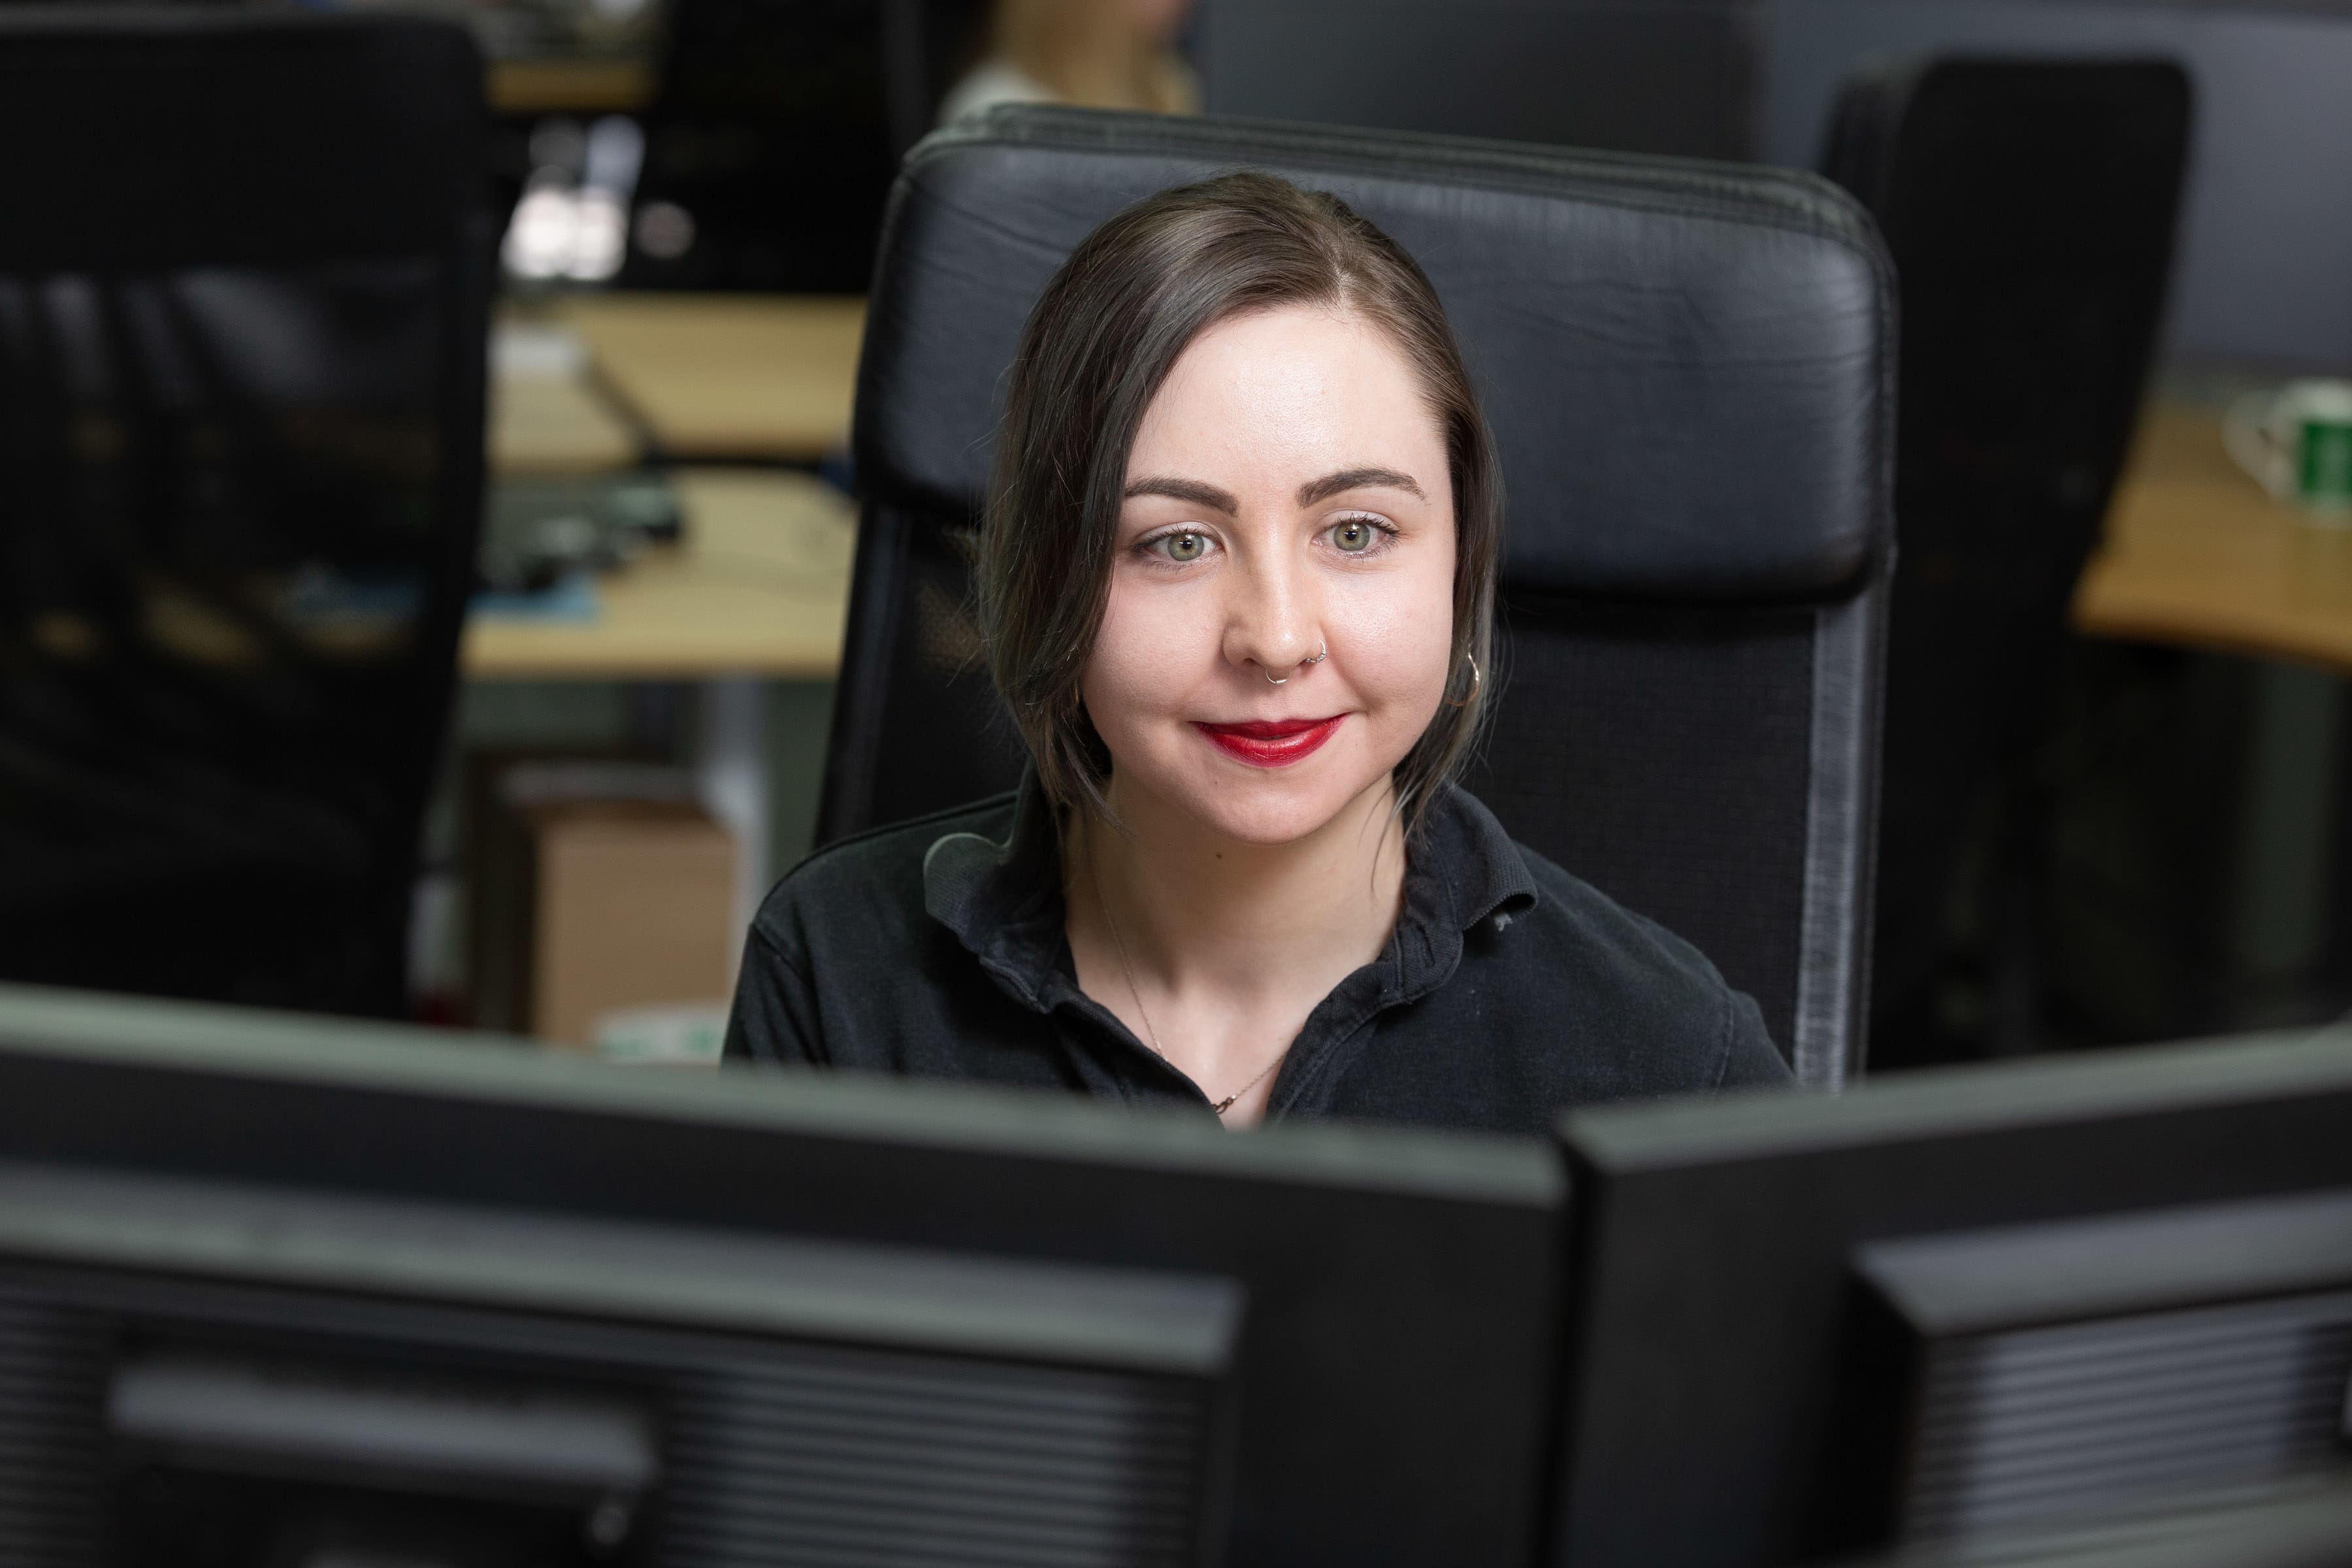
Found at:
<point>1263,823</point>
<point>1267,809</point>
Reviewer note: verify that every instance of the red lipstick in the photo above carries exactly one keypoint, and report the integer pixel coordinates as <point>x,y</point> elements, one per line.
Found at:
<point>1272,743</point>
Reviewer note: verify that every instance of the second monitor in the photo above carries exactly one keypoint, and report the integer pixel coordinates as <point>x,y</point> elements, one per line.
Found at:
<point>1958,1309</point>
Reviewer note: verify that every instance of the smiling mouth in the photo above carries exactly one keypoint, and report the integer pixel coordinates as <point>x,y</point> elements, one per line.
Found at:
<point>1272,743</point>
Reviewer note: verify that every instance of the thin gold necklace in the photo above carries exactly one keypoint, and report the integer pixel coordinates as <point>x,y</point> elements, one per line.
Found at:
<point>1128,971</point>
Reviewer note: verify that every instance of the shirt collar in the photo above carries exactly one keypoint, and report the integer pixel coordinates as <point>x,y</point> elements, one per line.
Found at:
<point>1002,899</point>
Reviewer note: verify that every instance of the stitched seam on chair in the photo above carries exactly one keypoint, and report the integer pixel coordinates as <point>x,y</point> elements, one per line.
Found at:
<point>1350,144</point>
<point>1730,1013</point>
<point>1812,206</point>
<point>1825,1028</point>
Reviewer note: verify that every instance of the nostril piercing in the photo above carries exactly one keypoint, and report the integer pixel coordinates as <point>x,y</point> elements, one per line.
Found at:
<point>1322,652</point>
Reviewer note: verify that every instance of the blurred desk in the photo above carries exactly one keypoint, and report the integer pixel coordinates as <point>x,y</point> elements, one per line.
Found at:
<point>573,84</point>
<point>759,587</point>
<point>2198,554</point>
<point>556,423</point>
<point>758,590</point>
<point>728,376</point>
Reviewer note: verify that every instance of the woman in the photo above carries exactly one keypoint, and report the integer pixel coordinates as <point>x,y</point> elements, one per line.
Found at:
<point>1237,582</point>
<point>1103,54</point>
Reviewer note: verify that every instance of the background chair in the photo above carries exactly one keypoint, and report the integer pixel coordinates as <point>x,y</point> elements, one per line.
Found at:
<point>243,272</point>
<point>2029,208</point>
<point>1688,370</point>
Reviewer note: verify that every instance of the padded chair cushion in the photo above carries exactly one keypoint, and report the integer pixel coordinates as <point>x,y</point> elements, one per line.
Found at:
<point>1731,460</point>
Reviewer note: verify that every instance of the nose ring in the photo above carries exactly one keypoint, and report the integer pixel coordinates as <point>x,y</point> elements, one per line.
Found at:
<point>1322,652</point>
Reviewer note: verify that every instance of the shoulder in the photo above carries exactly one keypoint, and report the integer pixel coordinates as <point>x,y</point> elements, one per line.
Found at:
<point>871,884</point>
<point>846,966</point>
<point>1611,939</point>
<point>1555,916</point>
<point>1652,1015</point>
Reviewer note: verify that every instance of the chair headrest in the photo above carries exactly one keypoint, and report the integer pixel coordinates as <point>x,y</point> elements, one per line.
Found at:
<point>1688,367</point>
<point>136,137</point>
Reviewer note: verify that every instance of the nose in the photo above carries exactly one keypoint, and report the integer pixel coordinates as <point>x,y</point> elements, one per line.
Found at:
<point>1273,617</point>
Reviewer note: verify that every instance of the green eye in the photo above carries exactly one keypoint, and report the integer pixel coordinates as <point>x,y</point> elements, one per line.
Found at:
<point>1354,537</point>
<point>1184,546</point>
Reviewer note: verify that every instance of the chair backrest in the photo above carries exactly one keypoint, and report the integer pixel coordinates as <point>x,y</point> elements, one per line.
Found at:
<point>1625,75</point>
<point>244,271</point>
<point>1688,372</point>
<point>2029,208</point>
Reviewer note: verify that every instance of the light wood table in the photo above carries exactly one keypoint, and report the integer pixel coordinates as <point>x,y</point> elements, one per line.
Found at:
<point>760,587</point>
<point>577,85</point>
<point>553,423</point>
<point>761,377</point>
<point>2197,553</point>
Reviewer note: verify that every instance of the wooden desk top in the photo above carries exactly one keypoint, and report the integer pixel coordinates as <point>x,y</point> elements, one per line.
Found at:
<point>760,587</point>
<point>2198,554</point>
<point>716,376</point>
<point>569,85</point>
<point>556,424</point>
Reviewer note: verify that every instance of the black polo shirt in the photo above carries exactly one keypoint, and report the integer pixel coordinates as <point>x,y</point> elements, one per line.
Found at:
<point>1509,990</point>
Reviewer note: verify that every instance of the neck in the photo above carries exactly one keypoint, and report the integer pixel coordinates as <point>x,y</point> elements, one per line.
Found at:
<point>1193,907</point>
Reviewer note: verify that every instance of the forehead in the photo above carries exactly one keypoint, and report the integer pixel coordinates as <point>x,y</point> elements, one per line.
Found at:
<point>1297,391</point>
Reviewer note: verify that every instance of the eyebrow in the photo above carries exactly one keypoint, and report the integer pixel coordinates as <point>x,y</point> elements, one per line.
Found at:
<point>1329,485</point>
<point>1312,490</point>
<point>1192,490</point>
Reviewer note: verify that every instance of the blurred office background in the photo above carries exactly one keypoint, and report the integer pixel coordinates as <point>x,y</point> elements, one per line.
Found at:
<point>2101,825</point>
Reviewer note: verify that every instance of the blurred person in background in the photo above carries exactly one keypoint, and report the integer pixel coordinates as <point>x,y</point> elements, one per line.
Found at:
<point>1103,54</point>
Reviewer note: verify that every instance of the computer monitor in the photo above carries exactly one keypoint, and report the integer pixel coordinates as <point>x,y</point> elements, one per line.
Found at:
<point>769,146</point>
<point>1956,1308</point>
<point>1676,77</point>
<point>354,1293</point>
<point>2307,1531</point>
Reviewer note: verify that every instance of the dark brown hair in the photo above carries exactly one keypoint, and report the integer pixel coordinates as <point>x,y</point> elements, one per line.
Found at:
<point>1102,339</point>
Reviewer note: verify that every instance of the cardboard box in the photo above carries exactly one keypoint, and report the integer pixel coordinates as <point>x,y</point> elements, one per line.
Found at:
<point>599,887</point>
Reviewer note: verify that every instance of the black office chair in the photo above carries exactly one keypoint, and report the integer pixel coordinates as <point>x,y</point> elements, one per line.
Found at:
<point>1688,371</point>
<point>243,272</point>
<point>2029,209</point>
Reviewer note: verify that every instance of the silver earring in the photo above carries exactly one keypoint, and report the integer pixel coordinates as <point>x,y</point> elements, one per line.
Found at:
<point>1471,695</point>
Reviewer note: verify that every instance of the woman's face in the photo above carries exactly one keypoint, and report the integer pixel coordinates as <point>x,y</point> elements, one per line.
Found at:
<point>1288,492</point>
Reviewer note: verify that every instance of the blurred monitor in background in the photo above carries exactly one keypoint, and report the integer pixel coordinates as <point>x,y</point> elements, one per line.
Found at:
<point>1102,53</point>
<point>1657,76</point>
<point>769,149</point>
